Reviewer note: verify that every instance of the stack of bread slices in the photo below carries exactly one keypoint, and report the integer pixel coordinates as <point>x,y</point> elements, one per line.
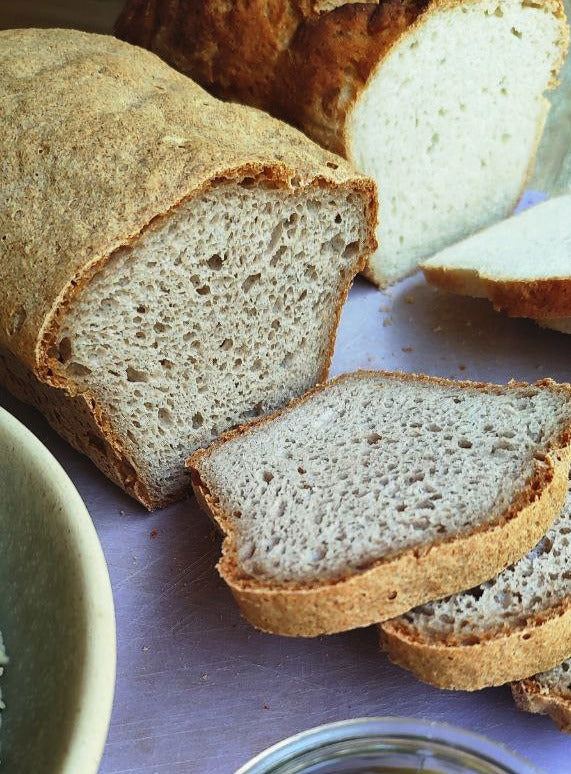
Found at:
<point>437,509</point>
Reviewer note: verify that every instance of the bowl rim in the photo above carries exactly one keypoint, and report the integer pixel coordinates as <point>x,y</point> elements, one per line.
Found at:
<point>87,741</point>
<point>288,750</point>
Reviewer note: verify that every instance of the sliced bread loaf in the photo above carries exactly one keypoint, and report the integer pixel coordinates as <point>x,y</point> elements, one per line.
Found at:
<point>513,626</point>
<point>548,693</point>
<point>523,264</point>
<point>441,102</point>
<point>379,491</point>
<point>171,266</point>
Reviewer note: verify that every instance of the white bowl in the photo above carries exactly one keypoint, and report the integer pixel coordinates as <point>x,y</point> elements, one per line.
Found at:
<point>56,616</point>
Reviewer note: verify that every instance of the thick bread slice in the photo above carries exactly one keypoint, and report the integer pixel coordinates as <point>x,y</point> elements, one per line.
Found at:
<point>170,265</point>
<point>513,626</point>
<point>548,693</point>
<point>379,490</point>
<point>523,264</point>
<point>441,102</point>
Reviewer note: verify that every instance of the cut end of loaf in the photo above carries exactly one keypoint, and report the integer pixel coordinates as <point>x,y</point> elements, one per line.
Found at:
<point>217,314</point>
<point>367,494</point>
<point>449,122</point>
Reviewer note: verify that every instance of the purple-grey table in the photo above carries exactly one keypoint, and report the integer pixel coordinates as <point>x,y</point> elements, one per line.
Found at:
<point>199,690</point>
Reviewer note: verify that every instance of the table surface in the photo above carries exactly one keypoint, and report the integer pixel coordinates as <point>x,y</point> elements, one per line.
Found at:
<point>198,689</point>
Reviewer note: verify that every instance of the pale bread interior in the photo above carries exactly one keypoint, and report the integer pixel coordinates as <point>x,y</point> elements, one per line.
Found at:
<point>534,245</point>
<point>538,582</point>
<point>219,313</point>
<point>448,125</point>
<point>372,465</point>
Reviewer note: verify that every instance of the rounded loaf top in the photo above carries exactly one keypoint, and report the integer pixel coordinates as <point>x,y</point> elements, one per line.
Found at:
<point>99,138</point>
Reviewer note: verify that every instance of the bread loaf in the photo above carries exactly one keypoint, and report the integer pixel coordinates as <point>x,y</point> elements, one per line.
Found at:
<point>170,265</point>
<point>379,490</point>
<point>441,102</point>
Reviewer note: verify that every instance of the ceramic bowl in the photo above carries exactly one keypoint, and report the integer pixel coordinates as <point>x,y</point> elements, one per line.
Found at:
<point>56,616</point>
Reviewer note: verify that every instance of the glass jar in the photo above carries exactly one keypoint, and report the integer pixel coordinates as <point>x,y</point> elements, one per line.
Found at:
<point>387,746</point>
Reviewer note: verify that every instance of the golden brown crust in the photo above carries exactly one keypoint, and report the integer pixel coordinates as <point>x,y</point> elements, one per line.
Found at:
<point>303,61</point>
<point>530,697</point>
<point>396,584</point>
<point>302,66</point>
<point>100,142</point>
<point>538,299</point>
<point>496,658</point>
<point>156,139</point>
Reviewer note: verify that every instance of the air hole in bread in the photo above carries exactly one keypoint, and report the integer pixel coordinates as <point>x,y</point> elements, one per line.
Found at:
<point>134,375</point>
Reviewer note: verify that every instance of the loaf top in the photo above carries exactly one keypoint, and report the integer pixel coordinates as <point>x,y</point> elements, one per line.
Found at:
<point>98,139</point>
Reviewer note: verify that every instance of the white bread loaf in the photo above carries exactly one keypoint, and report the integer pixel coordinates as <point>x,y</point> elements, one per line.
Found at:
<point>441,102</point>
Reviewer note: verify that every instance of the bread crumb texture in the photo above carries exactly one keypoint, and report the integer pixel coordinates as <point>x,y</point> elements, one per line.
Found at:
<point>371,466</point>
<point>537,583</point>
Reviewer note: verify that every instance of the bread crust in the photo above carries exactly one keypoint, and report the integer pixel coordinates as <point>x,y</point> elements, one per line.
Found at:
<point>538,299</point>
<point>305,67</point>
<point>73,197</point>
<point>393,585</point>
<point>530,697</point>
<point>306,62</point>
<point>498,657</point>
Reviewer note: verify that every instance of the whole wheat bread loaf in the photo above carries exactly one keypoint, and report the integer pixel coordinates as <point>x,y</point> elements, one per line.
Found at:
<point>523,264</point>
<point>513,626</point>
<point>170,265</point>
<point>441,102</point>
<point>379,491</point>
<point>548,693</point>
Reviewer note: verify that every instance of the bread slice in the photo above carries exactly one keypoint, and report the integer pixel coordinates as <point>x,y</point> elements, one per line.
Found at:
<point>548,693</point>
<point>523,264</point>
<point>171,266</point>
<point>378,491</point>
<point>513,626</point>
<point>440,102</point>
